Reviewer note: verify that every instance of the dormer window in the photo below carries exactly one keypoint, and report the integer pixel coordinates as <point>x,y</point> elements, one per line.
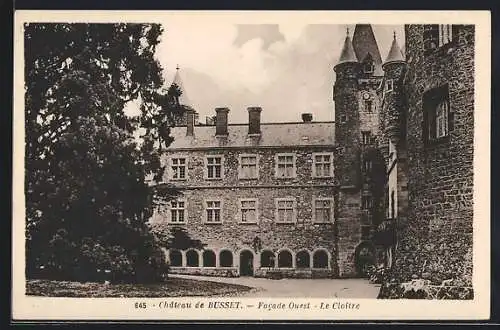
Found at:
<point>368,67</point>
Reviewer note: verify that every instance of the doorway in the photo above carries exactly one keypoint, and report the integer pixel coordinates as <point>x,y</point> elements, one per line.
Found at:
<point>246,263</point>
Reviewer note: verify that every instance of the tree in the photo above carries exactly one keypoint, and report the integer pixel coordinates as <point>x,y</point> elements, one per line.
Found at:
<point>87,200</point>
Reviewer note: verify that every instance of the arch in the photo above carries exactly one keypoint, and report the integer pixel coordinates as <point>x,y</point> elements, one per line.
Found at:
<point>209,258</point>
<point>175,257</point>
<point>364,257</point>
<point>267,258</point>
<point>226,258</point>
<point>285,259</point>
<point>303,259</point>
<point>320,258</point>
<point>192,258</point>
<point>246,262</point>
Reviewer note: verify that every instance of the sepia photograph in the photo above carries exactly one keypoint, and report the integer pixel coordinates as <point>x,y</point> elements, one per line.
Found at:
<point>255,162</point>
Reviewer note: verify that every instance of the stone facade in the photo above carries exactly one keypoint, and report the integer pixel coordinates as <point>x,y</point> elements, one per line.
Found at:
<point>431,169</point>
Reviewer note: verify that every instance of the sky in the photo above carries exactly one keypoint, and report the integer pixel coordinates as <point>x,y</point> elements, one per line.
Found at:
<point>286,68</point>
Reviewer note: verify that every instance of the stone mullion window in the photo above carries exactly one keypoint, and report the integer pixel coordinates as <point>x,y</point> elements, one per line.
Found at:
<point>248,211</point>
<point>437,115</point>
<point>323,165</point>
<point>285,166</point>
<point>248,167</point>
<point>214,167</point>
<point>285,210</point>
<point>323,210</point>
<point>178,166</point>
<point>213,211</point>
<point>178,211</point>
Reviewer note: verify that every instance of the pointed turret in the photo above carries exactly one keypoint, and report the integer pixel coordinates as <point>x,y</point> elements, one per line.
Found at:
<point>347,55</point>
<point>395,53</point>
<point>364,43</point>
<point>183,98</point>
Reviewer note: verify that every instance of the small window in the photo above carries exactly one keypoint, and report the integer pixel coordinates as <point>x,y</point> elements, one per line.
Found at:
<point>322,165</point>
<point>178,166</point>
<point>366,202</point>
<point>323,210</point>
<point>367,166</point>
<point>248,167</point>
<point>343,119</point>
<point>178,211</point>
<point>285,166</point>
<point>366,137</point>
<point>389,86</point>
<point>369,106</point>
<point>214,167</point>
<point>285,210</point>
<point>368,67</point>
<point>213,211</point>
<point>438,119</point>
<point>248,210</point>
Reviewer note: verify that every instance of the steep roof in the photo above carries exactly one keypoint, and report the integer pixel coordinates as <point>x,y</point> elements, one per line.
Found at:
<point>347,54</point>
<point>272,135</point>
<point>183,99</point>
<point>395,53</point>
<point>364,42</point>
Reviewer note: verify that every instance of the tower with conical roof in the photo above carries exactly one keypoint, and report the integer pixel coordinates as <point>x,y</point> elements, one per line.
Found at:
<point>357,105</point>
<point>178,90</point>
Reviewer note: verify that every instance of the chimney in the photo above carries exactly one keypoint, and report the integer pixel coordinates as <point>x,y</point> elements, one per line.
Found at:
<point>221,121</point>
<point>254,120</point>
<point>307,117</point>
<point>190,118</point>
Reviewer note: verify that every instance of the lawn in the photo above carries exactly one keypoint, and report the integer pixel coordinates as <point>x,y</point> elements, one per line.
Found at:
<point>173,287</point>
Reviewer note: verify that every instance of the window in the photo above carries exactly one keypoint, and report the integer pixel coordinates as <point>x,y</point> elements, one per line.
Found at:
<point>368,106</point>
<point>285,165</point>
<point>214,167</point>
<point>367,166</point>
<point>323,210</point>
<point>438,119</point>
<point>435,36</point>
<point>368,67</point>
<point>343,118</point>
<point>285,210</point>
<point>389,85</point>
<point>322,165</point>
<point>366,137</point>
<point>248,210</point>
<point>366,202</point>
<point>248,167</point>
<point>213,211</point>
<point>178,168</point>
<point>177,211</point>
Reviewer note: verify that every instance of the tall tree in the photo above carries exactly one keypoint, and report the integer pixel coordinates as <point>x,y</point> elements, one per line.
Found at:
<point>86,197</point>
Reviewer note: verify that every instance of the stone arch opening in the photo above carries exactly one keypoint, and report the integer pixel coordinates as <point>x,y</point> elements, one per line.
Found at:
<point>285,259</point>
<point>303,259</point>
<point>175,257</point>
<point>209,258</point>
<point>364,258</point>
<point>226,258</point>
<point>320,259</point>
<point>267,259</point>
<point>192,259</point>
<point>246,263</point>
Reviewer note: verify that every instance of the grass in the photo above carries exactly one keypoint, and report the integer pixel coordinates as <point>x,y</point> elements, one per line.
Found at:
<point>173,287</point>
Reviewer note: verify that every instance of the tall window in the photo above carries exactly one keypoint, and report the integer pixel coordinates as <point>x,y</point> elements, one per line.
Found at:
<point>285,165</point>
<point>389,85</point>
<point>369,106</point>
<point>445,34</point>
<point>213,211</point>
<point>285,210</point>
<point>438,118</point>
<point>322,165</point>
<point>248,209</point>
<point>177,212</point>
<point>248,167</point>
<point>435,36</point>
<point>367,166</point>
<point>178,168</point>
<point>214,167</point>
<point>323,210</point>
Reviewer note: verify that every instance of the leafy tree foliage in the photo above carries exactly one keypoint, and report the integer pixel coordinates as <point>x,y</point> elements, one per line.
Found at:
<point>87,200</point>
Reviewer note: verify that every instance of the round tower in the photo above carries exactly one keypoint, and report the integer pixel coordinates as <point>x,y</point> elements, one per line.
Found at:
<point>345,96</point>
<point>393,106</point>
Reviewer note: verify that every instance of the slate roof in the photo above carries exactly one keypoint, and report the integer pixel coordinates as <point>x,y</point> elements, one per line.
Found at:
<point>347,54</point>
<point>364,42</point>
<point>272,135</point>
<point>395,54</point>
<point>183,99</point>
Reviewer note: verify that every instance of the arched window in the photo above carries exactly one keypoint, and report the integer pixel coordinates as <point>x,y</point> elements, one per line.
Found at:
<point>267,259</point>
<point>192,259</point>
<point>303,259</point>
<point>320,259</point>
<point>226,258</point>
<point>175,258</point>
<point>285,259</point>
<point>208,258</point>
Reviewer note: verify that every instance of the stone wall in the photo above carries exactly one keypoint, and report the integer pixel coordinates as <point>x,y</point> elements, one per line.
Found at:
<point>437,242</point>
